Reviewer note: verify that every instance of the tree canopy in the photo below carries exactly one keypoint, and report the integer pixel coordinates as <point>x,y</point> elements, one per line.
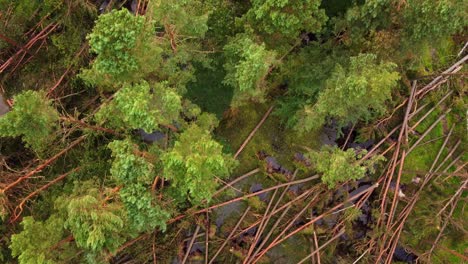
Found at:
<point>338,166</point>
<point>358,93</point>
<point>33,118</point>
<point>141,106</point>
<point>195,165</point>
<point>157,131</point>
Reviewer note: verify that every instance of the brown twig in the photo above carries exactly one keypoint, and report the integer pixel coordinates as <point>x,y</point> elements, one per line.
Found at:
<point>85,125</point>
<point>279,240</point>
<point>230,184</point>
<point>51,90</point>
<point>43,165</point>
<point>230,235</point>
<point>257,193</point>
<point>19,209</point>
<point>190,244</point>
<point>322,246</point>
<point>454,201</point>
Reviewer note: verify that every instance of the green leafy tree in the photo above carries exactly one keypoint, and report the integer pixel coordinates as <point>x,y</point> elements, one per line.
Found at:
<point>408,32</point>
<point>194,164</point>
<point>180,28</point>
<point>305,73</point>
<point>337,165</point>
<point>247,66</point>
<point>127,167</point>
<point>136,174</point>
<point>122,42</point>
<point>184,17</point>
<point>95,224</point>
<point>141,106</point>
<point>358,92</point>
<point>33,118</point>
<point>426,19</point>
<point>287,18</point>
<point>143,211</point>
<point>34,244</point>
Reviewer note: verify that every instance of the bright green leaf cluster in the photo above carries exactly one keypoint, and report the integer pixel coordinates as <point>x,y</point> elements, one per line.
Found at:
<point>113,38</point>
<point>359,92</point>
<point>141,106</point>
<point>128,167</point>
<point>194,164</point>
<point>32,117</point>
<point>135,174</point>
<point>142,211</point>
<point>337,165</point>
<point>125,50</point>
<point>95,224</point>
<point>187,17</point>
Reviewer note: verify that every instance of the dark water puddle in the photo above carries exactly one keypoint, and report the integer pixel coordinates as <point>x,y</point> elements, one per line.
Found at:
<point>154,137</point>
<point>403,255</point>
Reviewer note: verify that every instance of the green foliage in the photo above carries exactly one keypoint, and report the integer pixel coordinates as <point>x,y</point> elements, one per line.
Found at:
<point>221,21</point>
<point>95,224</point>
<point>287,17</point>
<point>181,25</point>
<point>140,106</point>
<point>135,174</point>
<point>371,14</point>
<point>144,214</point>
<point>128,167</point>
<point>187,17</point>
<point>358,93</point>
<point>33,118</point>
<point>33,244</point>
<point>305,73</point>
<point>224,53</point>
<point>338,166</point>
<point>194,164</point>
<point>113,36</point>
<point>426,19</point>
<point>123,46</point>
<point>247,66</point>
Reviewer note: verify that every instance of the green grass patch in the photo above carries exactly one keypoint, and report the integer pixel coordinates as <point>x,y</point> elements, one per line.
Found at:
<point>422,157</point>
